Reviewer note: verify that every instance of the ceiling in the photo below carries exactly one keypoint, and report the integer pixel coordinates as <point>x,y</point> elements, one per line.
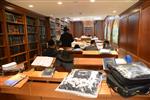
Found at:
<point>75,9</point>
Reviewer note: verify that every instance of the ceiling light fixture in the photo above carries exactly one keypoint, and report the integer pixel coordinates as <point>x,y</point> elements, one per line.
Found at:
<point>92,1</point>
<point>59,3</point>
<point>31,6</point>
<point>114,11</point>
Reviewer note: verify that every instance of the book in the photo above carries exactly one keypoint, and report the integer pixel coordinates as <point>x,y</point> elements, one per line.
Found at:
<point>43,61</point>
<point>82,82</point>
<point>12,81</point>
<point>48,72</point>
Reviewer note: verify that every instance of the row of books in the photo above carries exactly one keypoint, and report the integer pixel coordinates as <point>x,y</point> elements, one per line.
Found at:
<point>31,29</point>
<point>2,52</point>
<point>42,23</point>
<point>14,18</point>
<point>32,46</point>
<point>30,21</point>
<point>19,59</point>
<point>31,38</point>
<point>17,49</point>
<point>16,39</point>
<point>15,29</point>
<point>42,31</point>
<point>1,40</point>
<point>33,54</point>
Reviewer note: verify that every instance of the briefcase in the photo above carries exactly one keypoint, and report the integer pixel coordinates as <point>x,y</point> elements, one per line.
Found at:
<point>127,91</point>
<point>131,74</point>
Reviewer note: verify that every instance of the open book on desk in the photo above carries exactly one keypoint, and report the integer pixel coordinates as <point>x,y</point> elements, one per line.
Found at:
<point>43,61</point>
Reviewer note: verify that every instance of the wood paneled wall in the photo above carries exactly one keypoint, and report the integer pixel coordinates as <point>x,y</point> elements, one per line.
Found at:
<point>78,30</point>
<point>135,30</point>
<point>99,29</point>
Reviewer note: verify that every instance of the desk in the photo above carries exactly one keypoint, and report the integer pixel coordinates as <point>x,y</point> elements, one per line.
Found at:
<point>96,54</point>
<point>46,91</point>
<point>36,76</point>
<point>88,63</point>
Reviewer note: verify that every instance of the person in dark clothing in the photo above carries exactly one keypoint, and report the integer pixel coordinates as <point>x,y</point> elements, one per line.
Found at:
<point>106,45</point>
<point>51,50</point>
<point>66,38</point>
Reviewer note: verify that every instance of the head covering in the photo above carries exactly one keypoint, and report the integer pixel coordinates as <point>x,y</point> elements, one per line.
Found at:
<point>66,28</point>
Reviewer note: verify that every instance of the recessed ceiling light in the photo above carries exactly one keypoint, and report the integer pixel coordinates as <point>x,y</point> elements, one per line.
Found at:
<point>31,6</point>
<point>59,3</point>
<point>92,0</point>
<point>114,11</point>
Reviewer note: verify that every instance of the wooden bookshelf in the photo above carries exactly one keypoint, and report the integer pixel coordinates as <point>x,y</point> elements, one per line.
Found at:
<point>43,36</point>
<point>32,34</point>
<point>3,56</point>
<point>16,37</point>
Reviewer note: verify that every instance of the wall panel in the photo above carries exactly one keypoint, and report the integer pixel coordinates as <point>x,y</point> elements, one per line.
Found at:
<point>144,48</point>
<point>132,32</point>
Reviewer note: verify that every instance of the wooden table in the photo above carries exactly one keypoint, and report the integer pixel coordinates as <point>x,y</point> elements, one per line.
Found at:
<point>46,91</point>
<point>36,76</point>
<point>96,54</point>
<point>88,63</point>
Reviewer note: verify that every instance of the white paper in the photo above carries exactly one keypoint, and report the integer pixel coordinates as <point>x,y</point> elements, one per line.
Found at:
<point>107,51</point>
<point>120,61</point>
<point>82,82</point>
<point>43,61</point>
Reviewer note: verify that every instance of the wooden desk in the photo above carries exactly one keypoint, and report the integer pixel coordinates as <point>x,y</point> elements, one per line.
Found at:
<point>46,91</point>
<point>36,76</point>
<point>88,63</point>
<point>96,54</point>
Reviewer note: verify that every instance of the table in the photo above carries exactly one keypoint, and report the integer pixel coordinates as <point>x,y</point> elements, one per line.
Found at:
<point>88,63</point>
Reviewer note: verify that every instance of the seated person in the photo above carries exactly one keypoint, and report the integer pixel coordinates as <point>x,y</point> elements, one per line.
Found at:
<point>106,45</point>
<point>51,50</point>
<point>92,46</point>
<point>77,48</point>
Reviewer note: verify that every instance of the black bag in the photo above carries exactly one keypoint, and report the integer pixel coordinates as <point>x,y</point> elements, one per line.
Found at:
<point>65,60</point>
<point>131,74</point>
<point>127,91</point>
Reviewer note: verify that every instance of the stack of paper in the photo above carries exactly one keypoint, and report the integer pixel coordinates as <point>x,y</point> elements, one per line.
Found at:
<point>9,66</point>
<point>43,61</point>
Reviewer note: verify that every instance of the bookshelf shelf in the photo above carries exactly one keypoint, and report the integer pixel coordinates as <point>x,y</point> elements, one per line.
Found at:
<point>15,33</point>
<point>18,54</point>
<point>17,23</point>
<point>33,50</point>
<point>17,44</point>
<point>2,58</point>
<point>2,46</point>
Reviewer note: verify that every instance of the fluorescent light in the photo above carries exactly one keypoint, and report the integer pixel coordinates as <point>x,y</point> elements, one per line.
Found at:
<point>31,6</point>
<point>59,3</point>
<point>92,0</point>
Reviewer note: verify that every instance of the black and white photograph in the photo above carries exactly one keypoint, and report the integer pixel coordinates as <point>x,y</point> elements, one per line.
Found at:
<point>82,82</point>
